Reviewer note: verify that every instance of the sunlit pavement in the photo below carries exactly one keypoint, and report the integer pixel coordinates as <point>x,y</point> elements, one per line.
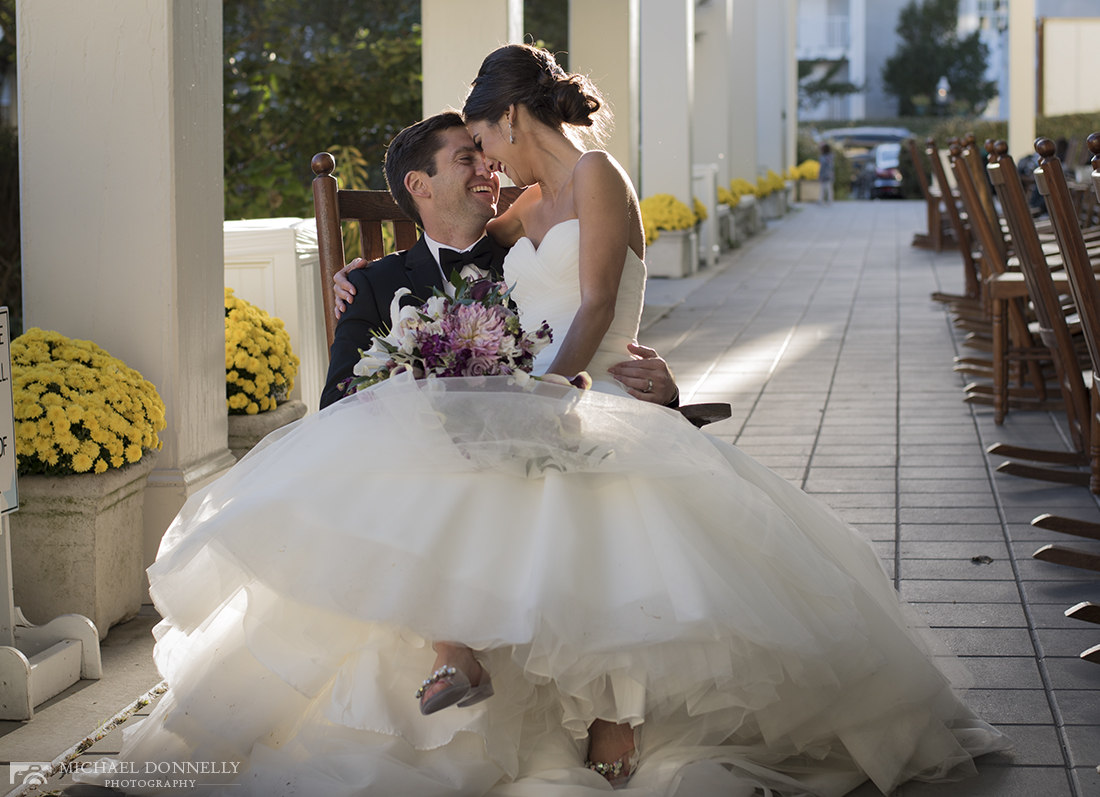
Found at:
<point>822,336</point>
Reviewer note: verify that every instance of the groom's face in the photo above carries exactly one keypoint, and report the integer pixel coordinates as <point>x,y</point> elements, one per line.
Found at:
<point>463,188</point>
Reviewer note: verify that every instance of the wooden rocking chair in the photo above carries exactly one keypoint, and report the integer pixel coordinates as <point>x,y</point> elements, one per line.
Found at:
<point>939,235</point>
<point>1054,331</point>
<point>1008,312</point>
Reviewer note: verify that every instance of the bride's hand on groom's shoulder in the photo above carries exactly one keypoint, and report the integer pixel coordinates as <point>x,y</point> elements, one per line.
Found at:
<point>648,377</point>
<point>342,288</point>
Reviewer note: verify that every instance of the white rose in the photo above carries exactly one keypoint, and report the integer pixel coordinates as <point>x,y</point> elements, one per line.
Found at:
<point>471,273</point>
<point>434,306</point>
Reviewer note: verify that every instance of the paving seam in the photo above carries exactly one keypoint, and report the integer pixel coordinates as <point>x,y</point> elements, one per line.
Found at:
<point>897,410</point>
<point>836,362</point>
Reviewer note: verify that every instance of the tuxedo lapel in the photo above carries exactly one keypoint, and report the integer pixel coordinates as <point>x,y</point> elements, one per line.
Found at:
<point>496,266</point>
<point>422,272</point>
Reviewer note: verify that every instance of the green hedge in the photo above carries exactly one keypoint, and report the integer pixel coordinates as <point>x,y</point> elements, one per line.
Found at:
<point>1075,128</point>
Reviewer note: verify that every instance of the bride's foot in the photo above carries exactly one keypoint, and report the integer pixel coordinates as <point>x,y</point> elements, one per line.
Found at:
<point>457,678</point>
<point>611,751</point>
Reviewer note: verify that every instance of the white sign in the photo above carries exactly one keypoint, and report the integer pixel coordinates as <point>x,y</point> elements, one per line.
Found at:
<point>9,494</point>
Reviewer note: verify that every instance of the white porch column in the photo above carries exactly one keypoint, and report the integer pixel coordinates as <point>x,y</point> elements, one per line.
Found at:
<point>857,57</point>
<point>790,62</point>
<point>458,34</point>
<point>603,44</point>
<point>120,110</point>
<point>771,85</point>
<point>742,159</point>
<point>714,71</point>
<point>667,61</point>
<point>1021,78</point>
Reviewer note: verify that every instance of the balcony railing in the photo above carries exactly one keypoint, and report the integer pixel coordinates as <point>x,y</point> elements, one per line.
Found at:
<point>820,32</point>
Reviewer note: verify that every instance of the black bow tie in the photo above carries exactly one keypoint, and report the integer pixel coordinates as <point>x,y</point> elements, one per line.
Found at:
<point>481,256</point>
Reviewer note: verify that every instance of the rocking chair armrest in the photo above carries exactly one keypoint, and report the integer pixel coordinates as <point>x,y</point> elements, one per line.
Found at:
<point>701,414</point>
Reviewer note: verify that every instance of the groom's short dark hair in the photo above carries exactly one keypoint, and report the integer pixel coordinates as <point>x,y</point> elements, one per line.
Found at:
<point>414,150</point>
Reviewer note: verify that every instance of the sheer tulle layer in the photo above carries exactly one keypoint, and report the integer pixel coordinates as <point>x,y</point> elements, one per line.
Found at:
<point>608,560</point>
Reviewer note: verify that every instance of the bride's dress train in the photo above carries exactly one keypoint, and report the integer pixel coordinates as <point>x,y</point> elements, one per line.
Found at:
<point>604,558</point>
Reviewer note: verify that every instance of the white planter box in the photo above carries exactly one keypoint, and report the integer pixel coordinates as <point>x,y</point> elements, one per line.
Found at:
<point>77,544</point>
<point>809,191</point>
<point>673,254</point>
<point>245,431</point>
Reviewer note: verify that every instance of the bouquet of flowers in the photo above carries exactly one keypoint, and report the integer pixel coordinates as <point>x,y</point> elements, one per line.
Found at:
<point>474,334</point>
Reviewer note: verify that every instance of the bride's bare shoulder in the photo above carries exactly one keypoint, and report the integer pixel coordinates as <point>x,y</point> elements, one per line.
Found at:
<point>599,165</point>
<point>509,227</point>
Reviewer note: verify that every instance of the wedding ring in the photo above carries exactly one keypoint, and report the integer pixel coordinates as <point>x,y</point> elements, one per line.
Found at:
<point>649,386</point>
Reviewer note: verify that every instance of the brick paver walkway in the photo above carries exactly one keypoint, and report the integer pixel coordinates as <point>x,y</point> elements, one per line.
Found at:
<point>838,366</point>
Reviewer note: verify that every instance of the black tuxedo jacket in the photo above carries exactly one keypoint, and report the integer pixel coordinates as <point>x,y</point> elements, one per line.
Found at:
<point>375,286</point>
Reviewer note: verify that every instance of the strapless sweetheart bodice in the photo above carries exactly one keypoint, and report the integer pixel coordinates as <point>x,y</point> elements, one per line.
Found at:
<point>548,288</point>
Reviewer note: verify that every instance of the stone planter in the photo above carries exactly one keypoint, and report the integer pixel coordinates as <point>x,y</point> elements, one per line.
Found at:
<point>727,234</point>
<point>77,543</point>
<point>673,254</point>
<point>772,206</point>
<point>809,191</point>
<point>245,431</point>
<point>747,218</point>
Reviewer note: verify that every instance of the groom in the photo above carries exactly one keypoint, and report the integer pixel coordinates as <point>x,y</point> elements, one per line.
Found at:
<point>441,181</point>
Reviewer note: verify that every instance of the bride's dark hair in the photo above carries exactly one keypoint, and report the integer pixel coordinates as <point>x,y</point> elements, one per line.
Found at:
<point>529,76</point>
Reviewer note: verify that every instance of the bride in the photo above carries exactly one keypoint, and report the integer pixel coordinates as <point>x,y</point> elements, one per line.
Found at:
<point>636,593</point>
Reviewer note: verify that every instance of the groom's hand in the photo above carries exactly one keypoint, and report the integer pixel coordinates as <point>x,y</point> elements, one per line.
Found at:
<point>648,377</point>
<point>343,289</point>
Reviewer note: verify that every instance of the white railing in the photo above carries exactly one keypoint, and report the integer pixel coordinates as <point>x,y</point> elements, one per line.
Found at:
<point>818,32</point>
<point>273,264</point>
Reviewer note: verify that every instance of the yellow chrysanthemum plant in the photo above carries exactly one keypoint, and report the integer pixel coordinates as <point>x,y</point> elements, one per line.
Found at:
<point>769,184</point>
<point>700,209</point>
<point>807,170</point>
<point>665,212</point>
<point>259,364</point>
<point>77,408</point>
<point>738,188</point>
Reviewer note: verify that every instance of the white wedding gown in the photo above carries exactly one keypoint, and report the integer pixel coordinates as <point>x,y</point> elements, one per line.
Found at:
<point>606,559</point>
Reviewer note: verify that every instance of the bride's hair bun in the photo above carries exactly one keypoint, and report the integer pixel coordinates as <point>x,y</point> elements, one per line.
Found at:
<point>519,74</point>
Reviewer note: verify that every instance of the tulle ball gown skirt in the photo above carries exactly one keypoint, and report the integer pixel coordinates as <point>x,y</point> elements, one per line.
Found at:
<point>603,558</point>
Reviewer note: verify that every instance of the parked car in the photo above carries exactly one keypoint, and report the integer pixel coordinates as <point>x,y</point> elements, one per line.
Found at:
<point>881,173</point>
<point>866,136</point>
<point>860,145</point>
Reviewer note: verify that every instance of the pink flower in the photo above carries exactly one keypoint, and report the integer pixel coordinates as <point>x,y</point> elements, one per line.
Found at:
<point>477,328</point>
<point>483,366</point>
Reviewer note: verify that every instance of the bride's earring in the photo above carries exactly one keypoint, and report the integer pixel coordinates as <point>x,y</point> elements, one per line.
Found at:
<point>511,135</point>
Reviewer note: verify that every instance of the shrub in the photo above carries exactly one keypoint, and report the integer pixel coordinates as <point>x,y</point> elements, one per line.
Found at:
<point>77,408</point>
<point>259,365</point>
<point>665,212</point>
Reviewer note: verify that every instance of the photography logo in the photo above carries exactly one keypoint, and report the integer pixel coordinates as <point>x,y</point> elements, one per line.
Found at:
<point>29,773</point>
